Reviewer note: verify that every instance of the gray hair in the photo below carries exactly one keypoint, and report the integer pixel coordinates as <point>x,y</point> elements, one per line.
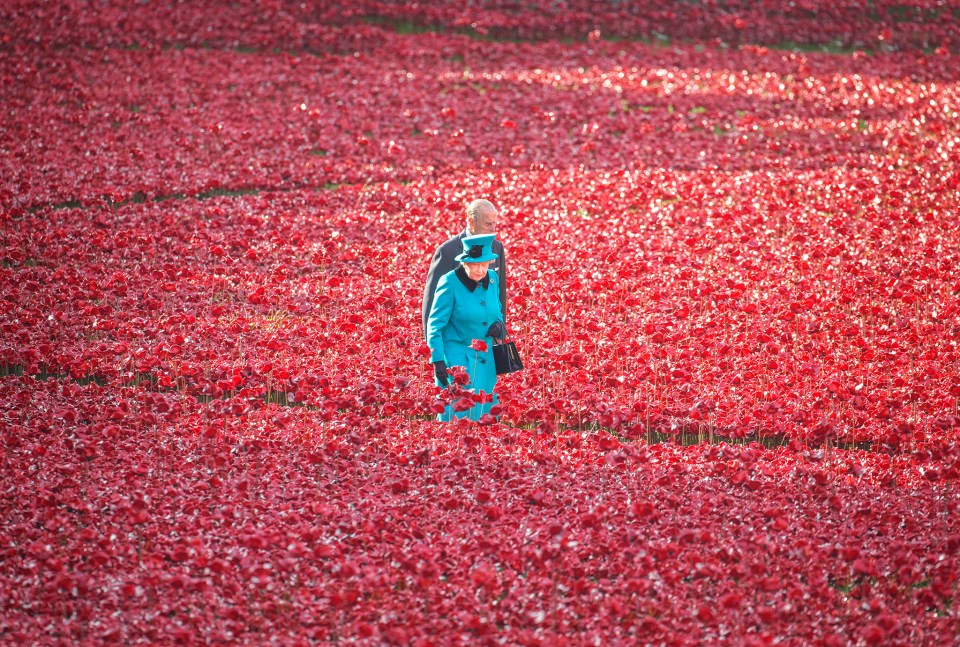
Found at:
<point>478,207</point>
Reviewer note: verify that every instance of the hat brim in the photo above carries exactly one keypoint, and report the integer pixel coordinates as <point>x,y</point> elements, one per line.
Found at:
<point>463,258</point>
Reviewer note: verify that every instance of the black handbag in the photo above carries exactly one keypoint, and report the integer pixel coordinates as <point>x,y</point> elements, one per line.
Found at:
<point>506,357</point>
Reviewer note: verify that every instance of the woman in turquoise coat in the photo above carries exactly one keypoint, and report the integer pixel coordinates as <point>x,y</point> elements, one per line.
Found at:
<point>467,310</point>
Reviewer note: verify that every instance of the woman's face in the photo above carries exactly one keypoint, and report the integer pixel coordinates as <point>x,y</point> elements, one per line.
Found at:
<point>476,271</point>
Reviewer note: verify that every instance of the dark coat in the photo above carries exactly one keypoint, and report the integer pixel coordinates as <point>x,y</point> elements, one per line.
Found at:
<point>443,262</point>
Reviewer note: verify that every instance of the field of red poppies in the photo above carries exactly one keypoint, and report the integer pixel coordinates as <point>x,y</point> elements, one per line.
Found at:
<point>733,244</point>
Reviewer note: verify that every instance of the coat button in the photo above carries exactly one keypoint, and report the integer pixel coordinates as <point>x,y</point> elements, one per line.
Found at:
<point>484,323</point>
<point>483,303</point>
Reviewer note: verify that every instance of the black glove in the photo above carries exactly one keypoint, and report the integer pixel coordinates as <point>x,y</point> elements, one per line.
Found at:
<point>497,330</point>
<point>440,370</point>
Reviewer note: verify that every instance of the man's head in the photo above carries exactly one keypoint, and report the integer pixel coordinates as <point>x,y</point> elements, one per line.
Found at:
<point>481,217</point>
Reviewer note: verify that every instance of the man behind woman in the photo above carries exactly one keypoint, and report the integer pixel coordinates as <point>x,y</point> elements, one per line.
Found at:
<point>482,218</point>
<point>466,311</point>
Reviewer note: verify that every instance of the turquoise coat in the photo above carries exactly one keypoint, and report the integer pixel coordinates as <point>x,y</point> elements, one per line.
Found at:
<point>457,317</point>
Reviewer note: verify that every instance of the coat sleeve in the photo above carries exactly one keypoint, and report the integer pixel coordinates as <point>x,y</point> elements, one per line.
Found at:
<point>440,313</point>
<point>439,266</point>
<point>503,283</point>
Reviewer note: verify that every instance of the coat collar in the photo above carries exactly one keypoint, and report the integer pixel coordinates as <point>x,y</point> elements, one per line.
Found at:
<point>469,283</point>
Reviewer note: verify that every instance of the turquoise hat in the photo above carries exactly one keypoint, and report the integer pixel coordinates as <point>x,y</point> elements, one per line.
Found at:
<point>477,249</point>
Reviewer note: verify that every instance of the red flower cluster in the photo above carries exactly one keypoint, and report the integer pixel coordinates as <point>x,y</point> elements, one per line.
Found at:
<point>913,25</point>
<point>217,417</point>
<point>139,516</point>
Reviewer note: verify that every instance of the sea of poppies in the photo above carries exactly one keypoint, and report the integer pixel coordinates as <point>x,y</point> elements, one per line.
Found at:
<point>732,241</point>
